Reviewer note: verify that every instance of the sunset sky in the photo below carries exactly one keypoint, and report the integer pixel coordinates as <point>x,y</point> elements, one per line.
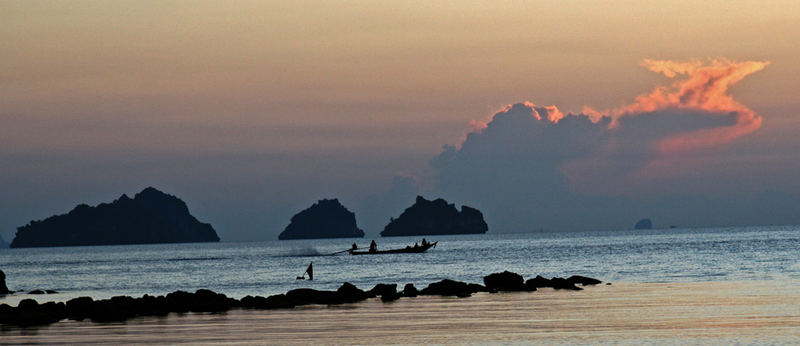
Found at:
<point>557,115</point>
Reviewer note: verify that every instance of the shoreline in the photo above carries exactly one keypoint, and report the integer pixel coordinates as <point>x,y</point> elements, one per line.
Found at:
<point>704,312</point>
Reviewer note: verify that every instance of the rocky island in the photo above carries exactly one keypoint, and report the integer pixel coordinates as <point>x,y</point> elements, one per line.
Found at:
<point>150,217</point>
<point>436,217</point>
<point>325,219</point>
<point>643,224</point>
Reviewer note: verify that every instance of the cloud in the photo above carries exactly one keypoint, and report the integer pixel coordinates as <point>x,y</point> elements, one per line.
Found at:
<point>529,164</point>
<point>704,87</point>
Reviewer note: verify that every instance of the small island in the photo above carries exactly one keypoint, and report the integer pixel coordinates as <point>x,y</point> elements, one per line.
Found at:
<point>643,224</point>
<point>436,217</point>
<point>325,219</point>
<point>150,217</point>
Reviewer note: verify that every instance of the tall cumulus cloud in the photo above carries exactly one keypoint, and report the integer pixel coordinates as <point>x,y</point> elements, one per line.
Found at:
<point>537,166</point>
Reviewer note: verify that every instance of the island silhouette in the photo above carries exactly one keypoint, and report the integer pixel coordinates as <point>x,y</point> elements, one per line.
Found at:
<point>150,217</point>
<point>436,217</point>
<point>643,224</point>
<point>327,218</point>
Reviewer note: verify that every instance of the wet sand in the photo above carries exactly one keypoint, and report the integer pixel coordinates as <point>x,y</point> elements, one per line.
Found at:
<point>709,312</point>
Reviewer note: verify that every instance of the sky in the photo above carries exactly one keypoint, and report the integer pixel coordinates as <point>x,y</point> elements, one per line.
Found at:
<point>546,115</point>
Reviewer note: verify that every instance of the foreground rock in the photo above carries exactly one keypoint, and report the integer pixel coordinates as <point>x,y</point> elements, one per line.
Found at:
<point>150,217</point>
<point>3,287</point>
<point>325,219</point>
<point>505,281</point>
<point>382,290</point>
<point>410,291</point>
<point>560,283</point>
<point>351,294</point>
<point>449,287</point>
<point>278,301</point>
<point>582,280</point>
<point>436,218</point>
<point>121,308</point>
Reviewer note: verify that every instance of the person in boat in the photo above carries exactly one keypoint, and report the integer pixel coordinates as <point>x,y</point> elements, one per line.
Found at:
<point>424,242</point>
<point>416,245</point>
<point>355,247</point>
<point>373,247</point>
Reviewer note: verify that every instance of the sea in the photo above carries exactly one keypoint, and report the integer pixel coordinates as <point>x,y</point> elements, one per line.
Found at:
<point>238,269</point>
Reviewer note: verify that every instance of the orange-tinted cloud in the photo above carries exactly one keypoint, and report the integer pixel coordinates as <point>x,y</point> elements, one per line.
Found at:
<point>700,86</point>
<point>632,143</point>
<point>549,113</point>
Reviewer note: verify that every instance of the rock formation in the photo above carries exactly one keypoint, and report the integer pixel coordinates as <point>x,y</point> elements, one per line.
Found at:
<point>436,218</point>
<point>643,224</point>
<point>505,281</point>
<point>150,217</point>
<point>3,288</point>
<point>120,308</point>
<point>325,219</point>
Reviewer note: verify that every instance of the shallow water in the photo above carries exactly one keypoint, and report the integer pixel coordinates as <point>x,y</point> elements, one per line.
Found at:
<point>720,312</point>
<point>264,268</point>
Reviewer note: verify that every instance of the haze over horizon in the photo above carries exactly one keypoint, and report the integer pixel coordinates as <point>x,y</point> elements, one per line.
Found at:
<point>560,116</point>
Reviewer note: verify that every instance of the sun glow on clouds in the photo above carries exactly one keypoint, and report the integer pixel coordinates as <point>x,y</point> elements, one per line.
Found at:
<point>704,88</point>
<point>698,86</point>
<point>551,113</point>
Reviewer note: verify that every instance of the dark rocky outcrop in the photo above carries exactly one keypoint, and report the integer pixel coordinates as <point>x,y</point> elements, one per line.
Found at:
<point>306,296</point>
<point>150,217</point>
<point>351,294</point>
<point>387,292</point>
<point>449,287</point>
<point>3,288</point>
<point>537,282</point>
<point>120,308</point>
<point>390,297</point>
<point>505,281</point>
<point>643,224</point>
<point>79,308</point>
<point>582,280</point>
<point>435,217</point>
<point>325,219</point>
<point>278,301</point>
<point>474,288</point>
<point>410,291</point>
<point>564,284</point>
<point>30,313</point>
<point>557,283</point>
<point>382,290</point>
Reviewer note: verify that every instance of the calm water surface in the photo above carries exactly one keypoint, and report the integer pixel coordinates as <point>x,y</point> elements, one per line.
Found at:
<point>264,268</point>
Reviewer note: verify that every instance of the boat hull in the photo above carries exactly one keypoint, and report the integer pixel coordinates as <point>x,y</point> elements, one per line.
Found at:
<point>418,249</point>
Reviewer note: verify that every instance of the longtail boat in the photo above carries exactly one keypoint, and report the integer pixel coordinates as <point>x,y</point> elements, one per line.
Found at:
<point>407,249</point>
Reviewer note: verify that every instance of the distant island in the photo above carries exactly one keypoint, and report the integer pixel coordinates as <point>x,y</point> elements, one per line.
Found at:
<point>436,218</point>
<point>325,219</point>
<point>643,224</point>
<point>150,217</point>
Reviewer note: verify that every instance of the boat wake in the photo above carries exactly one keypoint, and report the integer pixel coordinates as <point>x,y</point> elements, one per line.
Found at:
<point>301,252</point>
